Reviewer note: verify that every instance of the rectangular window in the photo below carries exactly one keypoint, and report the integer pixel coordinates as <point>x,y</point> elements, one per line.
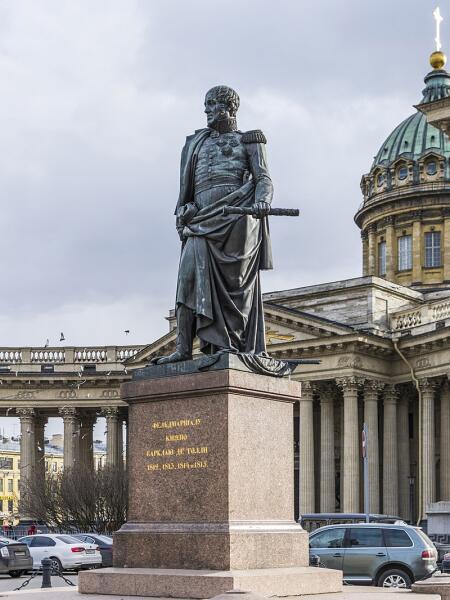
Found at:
<point>433,249</point>
<point>1,485</point>
<point>382,258</point>
<point>404,253</point>
<point>1,505</point>
<point>6,463</point>
<point>10,506</point>
<point>10,486</point>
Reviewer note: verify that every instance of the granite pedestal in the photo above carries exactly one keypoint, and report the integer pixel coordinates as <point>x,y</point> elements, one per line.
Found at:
<point>210,487</point>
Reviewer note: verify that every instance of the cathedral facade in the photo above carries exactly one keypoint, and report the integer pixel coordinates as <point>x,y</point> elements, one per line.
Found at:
<point>383,341</point>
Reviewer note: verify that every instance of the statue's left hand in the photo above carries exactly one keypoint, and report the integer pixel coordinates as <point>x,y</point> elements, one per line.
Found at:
<point>261,209</point>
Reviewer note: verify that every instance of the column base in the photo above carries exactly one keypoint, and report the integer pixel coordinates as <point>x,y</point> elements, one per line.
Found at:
<point>186,583</point>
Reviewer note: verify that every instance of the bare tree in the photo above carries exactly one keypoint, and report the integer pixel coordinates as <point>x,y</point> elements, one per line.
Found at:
<point>77,499</point>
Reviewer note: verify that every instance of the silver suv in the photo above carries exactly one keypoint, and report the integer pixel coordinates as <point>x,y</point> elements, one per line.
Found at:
<point>378,554</point>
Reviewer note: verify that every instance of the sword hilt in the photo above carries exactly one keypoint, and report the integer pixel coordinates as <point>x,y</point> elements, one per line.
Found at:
<point>274,212</point>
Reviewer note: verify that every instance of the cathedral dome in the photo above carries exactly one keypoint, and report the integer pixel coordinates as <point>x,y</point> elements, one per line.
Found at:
<point>411,140</point>
<point>405,215</point>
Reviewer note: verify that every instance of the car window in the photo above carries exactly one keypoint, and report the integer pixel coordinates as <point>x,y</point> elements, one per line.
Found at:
<point>330,538</point>
<point>365,537</point>
<point>105,539</point>
<point>26,540</point>
<point>397,538</point>
<point>89,540</point>
<point>41,540</point>
<point>67,539</point>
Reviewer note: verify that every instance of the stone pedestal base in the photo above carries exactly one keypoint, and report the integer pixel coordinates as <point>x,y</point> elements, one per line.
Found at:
<point>186,583</point>
<point>211,495</point>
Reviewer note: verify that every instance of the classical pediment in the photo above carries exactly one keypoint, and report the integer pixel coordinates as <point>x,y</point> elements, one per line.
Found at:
<point>283,325</point>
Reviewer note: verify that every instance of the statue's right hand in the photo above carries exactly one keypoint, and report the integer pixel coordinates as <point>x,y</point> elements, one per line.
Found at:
<point>187,212</point>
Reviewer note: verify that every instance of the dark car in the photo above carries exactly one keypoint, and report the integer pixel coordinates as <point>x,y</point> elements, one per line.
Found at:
<point>381,554</point>
<point>15,557</point>
<point>104,543</point>
<point>445,565</point>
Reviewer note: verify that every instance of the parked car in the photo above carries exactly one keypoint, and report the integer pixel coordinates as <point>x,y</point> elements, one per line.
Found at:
<point>15,557</point>
<point>104,543</point>
<point>385,555</point>
<point>311,521</point>
<point>65,551</point>
<point>445,565</point>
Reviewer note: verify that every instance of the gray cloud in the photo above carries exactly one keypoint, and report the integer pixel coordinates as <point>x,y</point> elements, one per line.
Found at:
<point>97,98</point>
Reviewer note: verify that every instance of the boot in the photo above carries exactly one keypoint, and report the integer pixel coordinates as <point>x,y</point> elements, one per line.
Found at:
<point>185,337</point>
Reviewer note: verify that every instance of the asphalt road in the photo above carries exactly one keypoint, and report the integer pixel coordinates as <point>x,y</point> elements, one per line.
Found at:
<point>8,584</point>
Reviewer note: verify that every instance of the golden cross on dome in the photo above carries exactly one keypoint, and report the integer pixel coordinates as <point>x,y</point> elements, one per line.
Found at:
<point>438,18</point>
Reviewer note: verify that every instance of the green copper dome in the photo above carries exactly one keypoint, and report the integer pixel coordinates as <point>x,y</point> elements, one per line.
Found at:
<point>414,138</point>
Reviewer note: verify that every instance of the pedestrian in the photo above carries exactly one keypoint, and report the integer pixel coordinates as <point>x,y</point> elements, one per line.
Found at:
<point>32,529</point>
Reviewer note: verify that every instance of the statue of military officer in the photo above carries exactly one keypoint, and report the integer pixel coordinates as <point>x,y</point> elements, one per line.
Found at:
<point>219,293</point>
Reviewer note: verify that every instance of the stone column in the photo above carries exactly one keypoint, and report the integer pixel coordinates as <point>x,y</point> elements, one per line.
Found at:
<point>306,450</point>
<point>372,251</point>
<point>350,471</point>
<point>327,458</point>
<point>71,421</point>
<point>445,245</point>
<point>40,446</point>
<point>371,391</point>
<point>27,418</point>
<point>417,251</point>
<point>404,461</point>
<point>112,435</point>
<point>120,442</point>
<point>391,249</point>
<point>445,442</point>
<point>428,444</point>
<point>390,452</point>
<point>87,440</point>
<point>365,253</point>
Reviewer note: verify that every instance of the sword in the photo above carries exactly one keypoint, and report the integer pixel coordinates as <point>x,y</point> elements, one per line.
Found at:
<point>274,212</point>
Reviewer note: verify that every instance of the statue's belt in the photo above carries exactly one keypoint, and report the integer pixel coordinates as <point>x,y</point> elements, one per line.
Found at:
<point>213,182</point>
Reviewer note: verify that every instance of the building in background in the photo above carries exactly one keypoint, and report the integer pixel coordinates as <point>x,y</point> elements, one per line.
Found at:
<point>10,470</point>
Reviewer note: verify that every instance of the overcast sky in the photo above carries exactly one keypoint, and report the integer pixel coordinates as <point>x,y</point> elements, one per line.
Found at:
<point>97,97</point>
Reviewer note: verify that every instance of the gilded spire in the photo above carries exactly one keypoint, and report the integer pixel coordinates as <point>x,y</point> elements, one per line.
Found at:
<point>438,58</point>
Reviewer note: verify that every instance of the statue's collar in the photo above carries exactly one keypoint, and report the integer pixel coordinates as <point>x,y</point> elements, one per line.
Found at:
<point>225,126</point>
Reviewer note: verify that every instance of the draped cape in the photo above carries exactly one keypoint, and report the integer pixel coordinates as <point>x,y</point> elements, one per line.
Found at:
<point>220,262</point>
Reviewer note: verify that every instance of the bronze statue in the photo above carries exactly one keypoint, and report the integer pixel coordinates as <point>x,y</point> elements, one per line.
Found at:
<point>223,171</point>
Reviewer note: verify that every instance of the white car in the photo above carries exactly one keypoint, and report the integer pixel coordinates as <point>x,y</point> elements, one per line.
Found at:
<point>65,551</point>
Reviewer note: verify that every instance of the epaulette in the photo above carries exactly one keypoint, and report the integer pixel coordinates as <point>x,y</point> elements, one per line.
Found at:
<point>254,136</point>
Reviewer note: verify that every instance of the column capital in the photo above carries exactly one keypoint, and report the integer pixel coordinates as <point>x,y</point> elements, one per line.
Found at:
<point>112,412</point>
<point>372,387</point>
<point>350,384</point>
<point>67,412</point>
<point>308,390</point>
<point>25,412</point>
<point>390,394</point>
<point>427,386</point>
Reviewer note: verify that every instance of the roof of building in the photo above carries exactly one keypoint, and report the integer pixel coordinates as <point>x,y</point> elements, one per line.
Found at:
<point>414,138</point>
<point>9,445</point>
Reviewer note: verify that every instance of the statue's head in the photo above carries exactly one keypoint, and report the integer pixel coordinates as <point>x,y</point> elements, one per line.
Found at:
<point>221,106</point>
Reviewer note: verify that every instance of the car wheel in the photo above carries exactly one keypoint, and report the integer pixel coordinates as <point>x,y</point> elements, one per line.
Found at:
<point>56,565</point>
<point>394,578</point>
<point>16,573</point>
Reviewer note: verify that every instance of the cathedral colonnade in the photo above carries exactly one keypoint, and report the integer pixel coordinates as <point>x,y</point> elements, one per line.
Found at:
<point>78,437</point>
<point>331,418</point>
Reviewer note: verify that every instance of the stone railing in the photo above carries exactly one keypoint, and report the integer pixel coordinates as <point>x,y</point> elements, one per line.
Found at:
<point>428,313</point>
<point>65,355</point>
